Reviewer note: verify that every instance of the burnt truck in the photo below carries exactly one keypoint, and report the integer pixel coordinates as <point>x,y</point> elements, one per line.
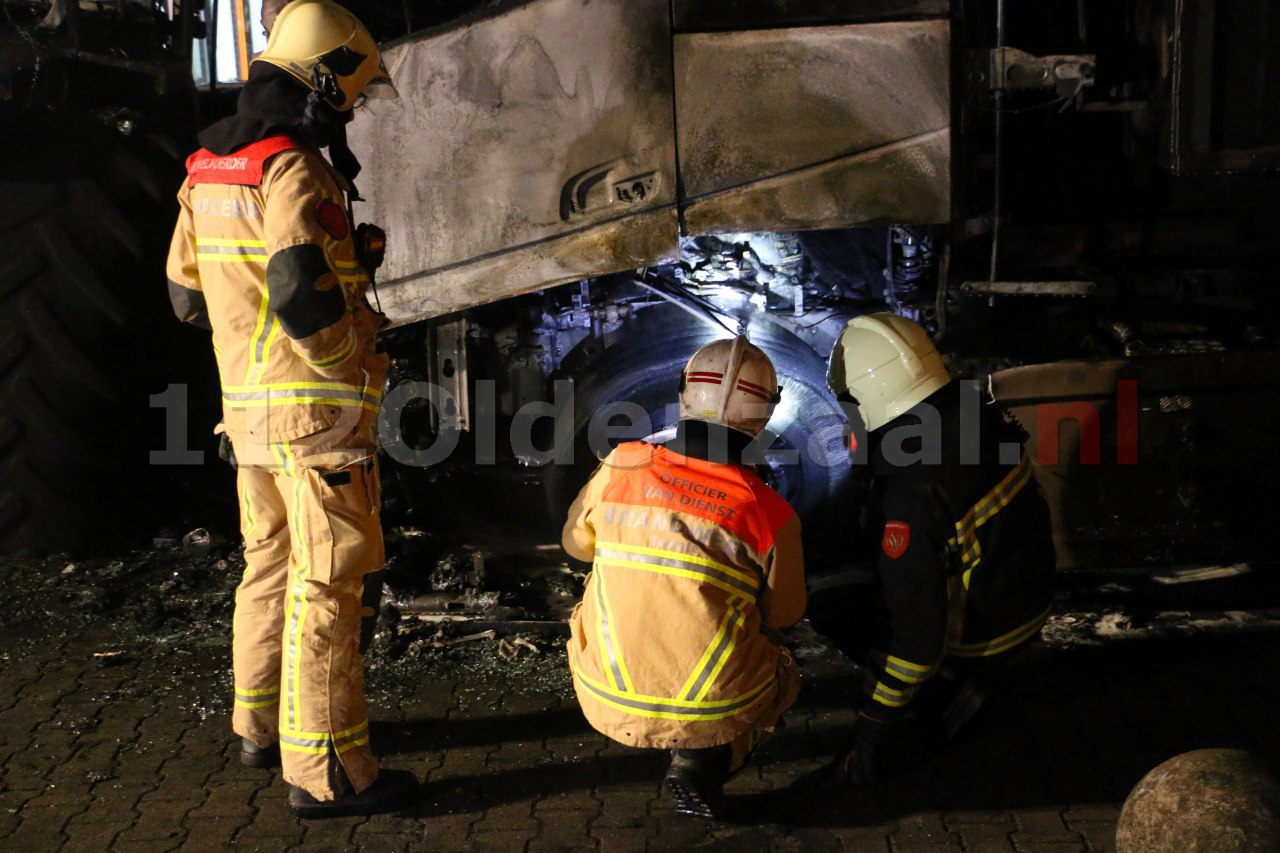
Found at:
<point>1078,198</point>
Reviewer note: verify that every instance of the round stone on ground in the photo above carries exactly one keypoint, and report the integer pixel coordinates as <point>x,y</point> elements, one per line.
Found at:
<point>1220,800</point>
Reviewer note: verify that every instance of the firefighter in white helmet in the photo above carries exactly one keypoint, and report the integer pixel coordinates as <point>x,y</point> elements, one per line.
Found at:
<point>265,257</point>
<point>696,566</point>
<point>966,561</point>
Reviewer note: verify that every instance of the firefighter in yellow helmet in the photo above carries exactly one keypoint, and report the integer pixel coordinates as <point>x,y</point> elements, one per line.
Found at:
<point>264,256</point>
<point>696,565</point>
<point>965,561</point>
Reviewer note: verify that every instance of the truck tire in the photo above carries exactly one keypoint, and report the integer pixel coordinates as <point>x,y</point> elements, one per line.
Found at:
<point>644,368</point>
<point>83,232</point>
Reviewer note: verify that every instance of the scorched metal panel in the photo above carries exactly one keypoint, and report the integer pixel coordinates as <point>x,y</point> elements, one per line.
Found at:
<point>526,149</point>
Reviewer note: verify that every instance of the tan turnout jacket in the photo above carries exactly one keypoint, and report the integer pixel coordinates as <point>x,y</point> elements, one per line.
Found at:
<point>282,292</point>
<point>694,565</point>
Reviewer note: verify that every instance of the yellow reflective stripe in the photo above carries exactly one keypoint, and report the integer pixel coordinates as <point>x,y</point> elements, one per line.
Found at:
<point>906,664</point>
<point>983,511</point>
<point>338,358</point>
<point>250,520</point>
<point>318,743</point>
<point>1000,496</point>
<point>738,619</point>
<point>268,691</point>
<point>254,699</point>
<point>891,698</point>
<point>251,372</point>
<point>684,558</point>
<point>903,670</point>
<point>656,707</point>
<point>228,241</point>
<point>371,393</point>
<point>349,745</point>
<point>230,259</point>
<point>996,499</point>
<point>280,451</point>
<point>289,401</point>
<point>271,339</point>
<point>298,610</point>
<point>602,629</point>
<point>295,733</point>
<point>1002,643</point>
<point>691,574</point>
<point>696,686</point>
<point>322,750</point>
<point>612,655</point>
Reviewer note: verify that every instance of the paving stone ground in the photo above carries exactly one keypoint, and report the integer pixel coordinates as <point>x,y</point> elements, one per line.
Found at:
<point>107,744</point>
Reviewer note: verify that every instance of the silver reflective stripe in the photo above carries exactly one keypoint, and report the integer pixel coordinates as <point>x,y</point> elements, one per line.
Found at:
<point>723,577</point>
<point>358,734</point>
<point>894,699</point>
<point>607,631</point>
<point>251,251</point>
<point>291,393</point>
<point>905,675</point>
<point>260,697</point>
<point>716,710</point>
<point>260,335</point>
<point>733,621</point>
<point>311,743</point>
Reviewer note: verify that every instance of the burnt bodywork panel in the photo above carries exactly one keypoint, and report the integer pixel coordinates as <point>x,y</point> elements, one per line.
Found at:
<point>562,140</point>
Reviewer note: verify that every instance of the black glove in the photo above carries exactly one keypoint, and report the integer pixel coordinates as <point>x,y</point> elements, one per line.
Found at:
<point>857,765</point>
<point>371,246</point>
<point>226,452</point>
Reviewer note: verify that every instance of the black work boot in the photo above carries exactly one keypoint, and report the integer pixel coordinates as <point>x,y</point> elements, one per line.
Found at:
<point>696,779</point>
<point>392,790</point>
<point>264,757</point>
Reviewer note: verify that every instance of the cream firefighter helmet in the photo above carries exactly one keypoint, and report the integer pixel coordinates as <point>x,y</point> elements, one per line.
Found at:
<point>730,382</point>
<point>329,51</point>
<point>887,364</point>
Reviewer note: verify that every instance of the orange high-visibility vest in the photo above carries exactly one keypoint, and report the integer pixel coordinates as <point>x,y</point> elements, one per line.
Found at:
<point>692,562</point>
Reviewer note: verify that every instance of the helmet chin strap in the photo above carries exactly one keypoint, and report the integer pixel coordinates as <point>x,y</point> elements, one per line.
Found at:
<point>327,128</point>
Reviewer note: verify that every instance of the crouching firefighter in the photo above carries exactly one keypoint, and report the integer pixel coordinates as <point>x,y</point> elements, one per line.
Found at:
<point>263,256</point>
<point>696,565</point>
<point>965,558</point>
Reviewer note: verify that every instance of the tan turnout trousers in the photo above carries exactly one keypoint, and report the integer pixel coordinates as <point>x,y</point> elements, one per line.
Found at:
<point>312,531</point>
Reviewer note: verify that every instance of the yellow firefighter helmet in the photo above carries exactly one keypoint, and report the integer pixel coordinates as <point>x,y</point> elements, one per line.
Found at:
<point>887,364</point>
<point>730,382</point>
<point>329,51</point>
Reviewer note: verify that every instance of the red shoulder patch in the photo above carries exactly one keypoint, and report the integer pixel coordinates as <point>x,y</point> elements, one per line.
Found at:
<point>243,167</point>
<point>897,536</point>
<point>332,218</point>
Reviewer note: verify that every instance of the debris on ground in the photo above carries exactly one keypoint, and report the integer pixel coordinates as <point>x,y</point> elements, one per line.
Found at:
<point>469,638</point>
<point>458,571</point>
<point>511,649</point>
<point>198,541</point>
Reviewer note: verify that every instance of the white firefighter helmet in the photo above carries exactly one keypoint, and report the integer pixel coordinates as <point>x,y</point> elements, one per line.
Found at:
<point>887,364</point>
<point>730,382</point>
<point>330,51</point>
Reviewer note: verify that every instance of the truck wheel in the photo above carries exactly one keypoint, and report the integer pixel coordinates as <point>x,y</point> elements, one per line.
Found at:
<point>83,228</point>
<point>808,464</point>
